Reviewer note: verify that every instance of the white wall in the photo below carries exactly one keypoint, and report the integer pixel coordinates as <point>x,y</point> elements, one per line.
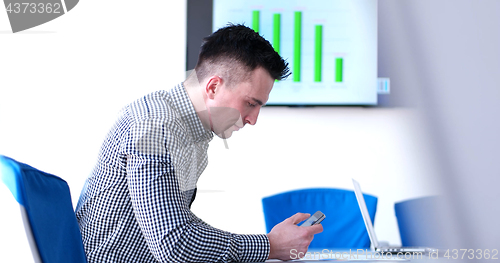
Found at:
<point>453,46</point>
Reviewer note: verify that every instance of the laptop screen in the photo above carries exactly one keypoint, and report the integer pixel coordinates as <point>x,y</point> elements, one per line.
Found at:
<point>364,212</point>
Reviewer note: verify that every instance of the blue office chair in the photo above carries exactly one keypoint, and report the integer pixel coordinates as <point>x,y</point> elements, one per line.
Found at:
<point>343,226</point>
<point>420,222</point>
<point>47,211</point>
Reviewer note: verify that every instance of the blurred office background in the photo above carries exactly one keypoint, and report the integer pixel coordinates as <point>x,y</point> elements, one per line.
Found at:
<point>62,84</point>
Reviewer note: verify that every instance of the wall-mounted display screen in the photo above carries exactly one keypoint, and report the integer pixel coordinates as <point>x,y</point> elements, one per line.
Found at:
<point>330,45</point>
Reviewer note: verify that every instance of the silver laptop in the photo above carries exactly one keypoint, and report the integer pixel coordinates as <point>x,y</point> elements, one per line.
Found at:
<point>371,231</point>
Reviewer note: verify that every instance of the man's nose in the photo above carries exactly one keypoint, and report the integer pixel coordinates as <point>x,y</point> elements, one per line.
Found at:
<point>252,117</point>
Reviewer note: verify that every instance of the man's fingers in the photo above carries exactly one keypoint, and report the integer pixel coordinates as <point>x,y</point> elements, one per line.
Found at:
<point>299,217</point>
<point>316,228</point>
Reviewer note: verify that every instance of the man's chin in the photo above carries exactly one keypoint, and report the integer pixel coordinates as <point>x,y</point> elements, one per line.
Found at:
<point>225,135</point>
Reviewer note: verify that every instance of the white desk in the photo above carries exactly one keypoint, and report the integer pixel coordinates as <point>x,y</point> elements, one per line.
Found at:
<point>364,255</point>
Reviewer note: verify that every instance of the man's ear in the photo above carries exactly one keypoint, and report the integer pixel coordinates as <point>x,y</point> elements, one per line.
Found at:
<point>213,85</point>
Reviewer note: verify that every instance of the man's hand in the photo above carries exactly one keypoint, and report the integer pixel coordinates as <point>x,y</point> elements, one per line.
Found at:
<point>286,236</point>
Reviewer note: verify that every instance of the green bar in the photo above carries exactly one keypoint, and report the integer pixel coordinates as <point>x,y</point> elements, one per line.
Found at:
<point>255,20</point>
<point>318,39</point>
<point>297,45</point>
<point>338,69</point>
<point>276,32</point>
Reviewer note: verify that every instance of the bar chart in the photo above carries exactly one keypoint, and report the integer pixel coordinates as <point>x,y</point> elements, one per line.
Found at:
<point>330,45</point>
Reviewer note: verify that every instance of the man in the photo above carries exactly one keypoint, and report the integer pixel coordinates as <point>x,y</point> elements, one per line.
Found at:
<point>135,205</point>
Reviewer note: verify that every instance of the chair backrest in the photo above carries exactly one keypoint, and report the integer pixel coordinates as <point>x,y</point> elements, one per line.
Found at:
<point>419,221</point>
<point>343,226</point>
<point>48,214</point>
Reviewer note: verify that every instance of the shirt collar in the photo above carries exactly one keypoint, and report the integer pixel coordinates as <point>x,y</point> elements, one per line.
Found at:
<point>185,107</point>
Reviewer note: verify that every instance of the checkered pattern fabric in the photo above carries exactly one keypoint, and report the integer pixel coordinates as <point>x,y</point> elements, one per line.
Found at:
<point>135,205</point>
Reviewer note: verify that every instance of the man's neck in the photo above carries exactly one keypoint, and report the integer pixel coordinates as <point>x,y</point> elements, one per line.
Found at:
<point>197,97</point>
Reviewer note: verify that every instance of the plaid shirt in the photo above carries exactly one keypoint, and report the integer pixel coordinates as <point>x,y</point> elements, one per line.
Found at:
<point>135,205</point>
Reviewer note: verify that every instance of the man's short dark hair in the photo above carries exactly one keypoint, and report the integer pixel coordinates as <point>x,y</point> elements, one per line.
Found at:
<point>240,50</point>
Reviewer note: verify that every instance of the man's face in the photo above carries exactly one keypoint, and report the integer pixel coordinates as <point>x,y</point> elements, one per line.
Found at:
<point>230,108</point>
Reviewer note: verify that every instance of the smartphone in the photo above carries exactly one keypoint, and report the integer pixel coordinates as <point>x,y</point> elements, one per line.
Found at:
<point>315,219</point>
